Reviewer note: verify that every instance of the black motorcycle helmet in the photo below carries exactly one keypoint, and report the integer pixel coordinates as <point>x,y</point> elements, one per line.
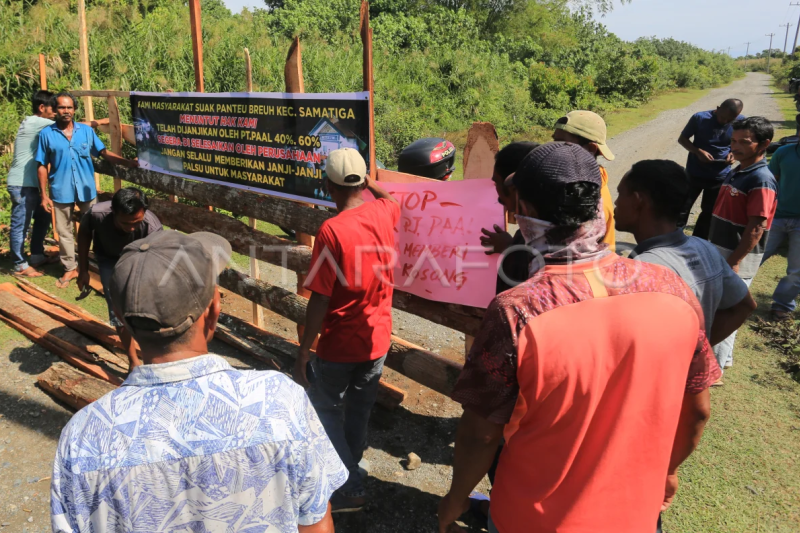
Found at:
<point>431,157</point>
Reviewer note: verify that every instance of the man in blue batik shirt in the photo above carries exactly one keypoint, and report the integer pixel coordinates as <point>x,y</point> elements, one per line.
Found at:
<point>68,147</point>
<point>188,443</point>
<point>707,137</point>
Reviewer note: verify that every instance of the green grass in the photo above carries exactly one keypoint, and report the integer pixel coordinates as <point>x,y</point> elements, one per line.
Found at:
<point>626,119</point>
<point>785,102</point>
<point>744,476</point>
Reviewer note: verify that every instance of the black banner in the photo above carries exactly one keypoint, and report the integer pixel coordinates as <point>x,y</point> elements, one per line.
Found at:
<point>273,143</point>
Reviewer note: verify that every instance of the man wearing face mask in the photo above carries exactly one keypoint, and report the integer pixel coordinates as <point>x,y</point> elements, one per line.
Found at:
<point>575,403</point>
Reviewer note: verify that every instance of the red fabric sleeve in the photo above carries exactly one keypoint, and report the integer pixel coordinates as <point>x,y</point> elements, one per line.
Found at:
<point>761,202</point>
<point>488,383</point>
<point>704,369</point>
<point>324,260</point>
<point>391,208</point>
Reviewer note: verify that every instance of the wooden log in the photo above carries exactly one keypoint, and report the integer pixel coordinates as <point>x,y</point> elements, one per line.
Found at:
<point>100,93</point>
<point>42,73</point>
<point>115,127</point>
<point>73,387</point>
<point>271,209</point>
<point>225,335</point>
<point>95,329</point>
<point>424,367</point>
<point>49,343</point>
<point>86,84</point>
<point>389,396</point>
<point>196,23</point>
<point>36,291</point>
<point>70,340</point>
<point>368,83</point>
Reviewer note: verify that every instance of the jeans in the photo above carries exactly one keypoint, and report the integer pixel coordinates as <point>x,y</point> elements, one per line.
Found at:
<point>710,193</point>
<point>724,350</point>
<point>26,204</point>
<point>492,528</point>
<point>106,267</point>
<point>343,395</point>
<point>789,287</point>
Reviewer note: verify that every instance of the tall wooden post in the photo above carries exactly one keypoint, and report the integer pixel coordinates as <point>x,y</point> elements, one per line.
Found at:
<point>369,85</point>
<point>43,86</point>
<point>197,44</point>
<point>42,73</point>
<point>115,131</point>
<point>293,76</point>
<point>258,311</point>
<point>86,84</point>
<point>479,154</point>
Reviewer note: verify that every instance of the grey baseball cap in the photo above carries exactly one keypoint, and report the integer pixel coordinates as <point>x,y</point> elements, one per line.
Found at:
<point>164,282</point>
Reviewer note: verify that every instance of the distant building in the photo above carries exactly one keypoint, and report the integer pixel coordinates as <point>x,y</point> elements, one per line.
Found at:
<point>333,136</point>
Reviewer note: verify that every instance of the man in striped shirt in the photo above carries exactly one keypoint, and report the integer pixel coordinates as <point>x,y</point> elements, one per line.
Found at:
<point>744,210</point>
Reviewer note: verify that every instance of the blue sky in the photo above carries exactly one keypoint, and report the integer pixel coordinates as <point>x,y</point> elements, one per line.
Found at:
<point>710,24</point>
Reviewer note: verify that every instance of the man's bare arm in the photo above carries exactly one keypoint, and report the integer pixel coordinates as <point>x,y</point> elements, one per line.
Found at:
<point>379,192</point>
<point>323,526</point>
<point>726,321</point>
<point>702,155</point>
<point>752,234</point>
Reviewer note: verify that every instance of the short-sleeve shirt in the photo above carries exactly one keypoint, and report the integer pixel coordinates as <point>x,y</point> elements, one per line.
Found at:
<point>71,167</point>
<point>352,264</point>
<point>108,240</point>
<point>23,171</point>
<point>195,445</point>
<point>700,265</point>
<point>586,365</point>
<point>714,138</point>
<point>748,192</point>
<point>785,166</point>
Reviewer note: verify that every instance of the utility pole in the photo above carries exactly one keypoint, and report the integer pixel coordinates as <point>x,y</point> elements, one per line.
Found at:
<point>797,31</point>
<point>786,40</point>
<point>769,53</point>
<point>745,56</point>
<point>729,50</point>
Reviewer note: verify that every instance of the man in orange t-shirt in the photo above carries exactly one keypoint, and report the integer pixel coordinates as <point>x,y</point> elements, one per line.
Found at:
<point>576,367</point>
<point>351,280</point>
<point>589,130</point>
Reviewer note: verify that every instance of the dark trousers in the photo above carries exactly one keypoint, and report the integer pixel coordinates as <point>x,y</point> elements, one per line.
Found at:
<point>343,395</point>
<point>710,193</point>
<point>658,526</point>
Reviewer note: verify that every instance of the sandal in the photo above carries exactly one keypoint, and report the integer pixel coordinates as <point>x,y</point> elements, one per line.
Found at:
<point>63,282</point>
<point>29,272</point>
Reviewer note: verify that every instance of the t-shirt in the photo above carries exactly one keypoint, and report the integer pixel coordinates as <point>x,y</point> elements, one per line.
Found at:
<point>352,263</point>
<point>586,365</point>
<point>714,138</point>
<point>608,211</point>
<point>23,171</point>
<point>749,192</point>
<point>71,167</point>
<point>108,240</point>
<point>785,166</point>
<point>700,265</point>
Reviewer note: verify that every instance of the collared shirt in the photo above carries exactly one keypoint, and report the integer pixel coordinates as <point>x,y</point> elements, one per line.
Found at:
<point>195,445</point>
<point>23,171</point>
<point>107,239</point>
<point>785,166</point>
<point>71,167</point>
<point>714,138</point>
<point>748,192</point>
<point>700,265</point>
<point>582,364</point>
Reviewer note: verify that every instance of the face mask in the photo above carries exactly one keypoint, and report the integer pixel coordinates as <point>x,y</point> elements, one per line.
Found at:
<point>534,231</point>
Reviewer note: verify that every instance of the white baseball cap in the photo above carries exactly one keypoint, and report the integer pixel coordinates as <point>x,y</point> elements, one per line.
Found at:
<point>346,167</point>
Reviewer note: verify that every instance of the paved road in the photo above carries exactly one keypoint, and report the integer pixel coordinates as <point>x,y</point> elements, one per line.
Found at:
<point>657,139</point>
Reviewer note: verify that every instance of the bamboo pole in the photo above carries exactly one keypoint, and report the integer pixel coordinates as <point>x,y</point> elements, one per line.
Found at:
<point>258,312</point>
<point>115,129</point>
<point>86,83</point>
<point>43,86</point>
<point>369,85</point>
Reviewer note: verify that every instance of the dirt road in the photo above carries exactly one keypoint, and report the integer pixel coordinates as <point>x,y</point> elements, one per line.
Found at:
<point>657,139</point>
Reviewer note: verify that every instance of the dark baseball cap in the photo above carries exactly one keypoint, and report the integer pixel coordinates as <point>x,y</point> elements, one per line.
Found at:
<point>164,282</point>
<point>558,163</point>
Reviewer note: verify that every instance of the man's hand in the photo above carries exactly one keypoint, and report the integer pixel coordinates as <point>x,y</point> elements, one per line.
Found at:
<point>497,241</point>
<point>669,491</point>
<point>299,372</point>
<point>704,156</point>
<point>449,511</point>
<point>83,280</point>
<point>47,204</point>
<point>730,158</point>
<point>132,163</point>
<point>734,267</point>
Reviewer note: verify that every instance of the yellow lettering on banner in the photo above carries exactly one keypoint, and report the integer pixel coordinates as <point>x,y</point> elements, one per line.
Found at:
<point>203,106</point>
<point>173,152</point>
<point>192,167</point>
<point>340,113</point>
<point>197,156</point>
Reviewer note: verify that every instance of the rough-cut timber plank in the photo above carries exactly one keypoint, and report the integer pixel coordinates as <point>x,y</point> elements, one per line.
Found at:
<point>72,341</point>
<point>285,350</point>
<point>51,344</point>
<point>73,387</point>
<point>268,208</point>
<point>424,367</point>
<point>246,346</point>
<point>38,292</point>
<point>101,93</point>
<point>91,328</point>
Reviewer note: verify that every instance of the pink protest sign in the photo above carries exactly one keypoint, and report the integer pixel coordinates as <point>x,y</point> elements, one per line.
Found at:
<point>439,254</point>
